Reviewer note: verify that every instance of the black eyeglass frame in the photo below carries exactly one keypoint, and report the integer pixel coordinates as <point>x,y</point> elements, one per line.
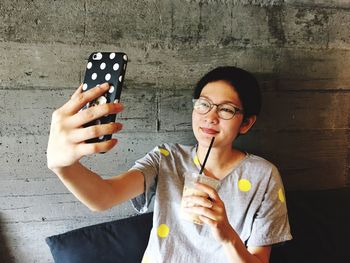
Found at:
<point>237,110</point>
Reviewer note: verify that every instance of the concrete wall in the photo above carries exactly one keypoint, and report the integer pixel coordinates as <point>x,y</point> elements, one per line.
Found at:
<point>299,49</point>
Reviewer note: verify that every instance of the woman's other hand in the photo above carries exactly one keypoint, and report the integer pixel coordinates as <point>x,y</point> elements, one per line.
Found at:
<point>211,211</point>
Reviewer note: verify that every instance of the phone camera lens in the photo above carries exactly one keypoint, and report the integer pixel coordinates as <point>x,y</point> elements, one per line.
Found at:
<point>97,56</point>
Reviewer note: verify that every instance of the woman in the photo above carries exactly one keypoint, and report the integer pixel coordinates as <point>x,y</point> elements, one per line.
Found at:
<point>242,219</point>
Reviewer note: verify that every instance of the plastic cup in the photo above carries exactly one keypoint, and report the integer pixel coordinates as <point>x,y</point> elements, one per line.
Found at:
<point>190,189</point>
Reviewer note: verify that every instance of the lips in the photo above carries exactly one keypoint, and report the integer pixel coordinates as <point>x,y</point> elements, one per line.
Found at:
<point>209,131</point>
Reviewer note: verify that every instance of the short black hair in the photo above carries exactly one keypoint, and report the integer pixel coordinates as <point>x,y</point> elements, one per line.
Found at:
<point>244,83</point>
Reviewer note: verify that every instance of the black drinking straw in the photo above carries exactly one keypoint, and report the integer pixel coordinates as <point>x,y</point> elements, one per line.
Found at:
<point>206,156</point>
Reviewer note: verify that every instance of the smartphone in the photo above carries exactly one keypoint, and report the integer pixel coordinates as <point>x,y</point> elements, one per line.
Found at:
<point>104,67</point>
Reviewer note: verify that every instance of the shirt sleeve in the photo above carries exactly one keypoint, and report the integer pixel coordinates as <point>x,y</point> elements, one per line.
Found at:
<point>149,167</point>
<point>271,224</point>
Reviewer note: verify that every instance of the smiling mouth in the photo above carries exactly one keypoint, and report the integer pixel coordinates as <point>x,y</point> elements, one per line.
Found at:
<point>209,131</point>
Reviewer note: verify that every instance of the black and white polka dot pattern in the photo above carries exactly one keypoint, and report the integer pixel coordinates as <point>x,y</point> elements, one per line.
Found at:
<point>102,66</point>
<point>105,67</point>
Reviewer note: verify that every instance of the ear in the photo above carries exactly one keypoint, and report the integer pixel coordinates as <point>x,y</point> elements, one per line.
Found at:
<point>247,124</point>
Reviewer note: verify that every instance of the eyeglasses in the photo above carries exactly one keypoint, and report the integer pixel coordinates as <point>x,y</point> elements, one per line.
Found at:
<point>225,111</point>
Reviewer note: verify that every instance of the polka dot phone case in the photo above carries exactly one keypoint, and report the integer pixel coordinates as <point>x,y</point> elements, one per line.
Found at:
<point>105,67</point>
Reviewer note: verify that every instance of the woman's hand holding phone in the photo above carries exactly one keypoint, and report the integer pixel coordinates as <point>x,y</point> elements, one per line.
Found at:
<point>67,140</point>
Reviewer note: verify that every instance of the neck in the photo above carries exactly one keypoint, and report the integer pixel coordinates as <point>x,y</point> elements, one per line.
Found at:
<point>220,159</point>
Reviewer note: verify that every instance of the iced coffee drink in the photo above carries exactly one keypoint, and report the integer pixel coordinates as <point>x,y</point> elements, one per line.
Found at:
<point>190,189</point>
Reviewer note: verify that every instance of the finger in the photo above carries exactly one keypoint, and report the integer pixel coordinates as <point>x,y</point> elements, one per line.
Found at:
<point>91,148</point>
<point>208,221</point>
<point>193,200</point>
<point>208,190</point>
<point>80,99</point>
<point>202,211</point>
<point>93,113</point>
<point>95,131</point>
<point>78,91</point>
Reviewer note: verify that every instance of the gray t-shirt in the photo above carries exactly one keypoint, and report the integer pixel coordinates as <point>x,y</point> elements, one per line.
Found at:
<point>252,192</point>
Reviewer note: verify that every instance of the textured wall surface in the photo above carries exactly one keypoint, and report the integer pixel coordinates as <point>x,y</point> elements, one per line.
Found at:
<point>298,49</point>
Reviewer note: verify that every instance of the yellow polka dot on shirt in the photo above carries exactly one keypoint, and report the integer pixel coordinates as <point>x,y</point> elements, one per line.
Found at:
<point>163,231</point>
<point>281,195</point>
<point>146,259</point>
<point>164,152</point>
<point>244,185</point>
<point>196,160</point>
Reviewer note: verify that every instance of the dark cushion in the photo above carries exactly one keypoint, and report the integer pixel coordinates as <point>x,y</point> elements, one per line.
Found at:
<point>123,240</point>
<point>320,225</point>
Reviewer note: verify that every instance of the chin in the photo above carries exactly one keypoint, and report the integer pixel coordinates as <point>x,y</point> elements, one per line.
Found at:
<point>204,140</point>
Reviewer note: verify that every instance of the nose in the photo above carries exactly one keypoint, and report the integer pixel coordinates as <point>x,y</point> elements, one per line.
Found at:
<point>212,116</point>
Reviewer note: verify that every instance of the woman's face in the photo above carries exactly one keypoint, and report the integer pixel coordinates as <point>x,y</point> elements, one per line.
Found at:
<point>206,126</point>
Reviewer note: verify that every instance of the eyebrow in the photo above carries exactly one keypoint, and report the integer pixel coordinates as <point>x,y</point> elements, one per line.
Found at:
<point>224,102</point>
